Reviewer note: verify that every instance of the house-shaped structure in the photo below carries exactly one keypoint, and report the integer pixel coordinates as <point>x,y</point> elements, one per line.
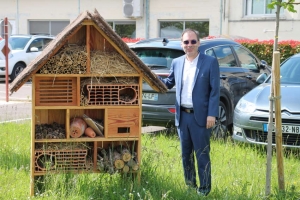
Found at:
<point>86,101</point>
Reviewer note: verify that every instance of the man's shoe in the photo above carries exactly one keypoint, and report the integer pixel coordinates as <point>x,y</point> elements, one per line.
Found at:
<point>203,192</point>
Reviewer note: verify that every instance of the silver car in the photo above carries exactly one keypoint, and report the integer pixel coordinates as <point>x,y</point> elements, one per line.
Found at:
<point>252,111</point>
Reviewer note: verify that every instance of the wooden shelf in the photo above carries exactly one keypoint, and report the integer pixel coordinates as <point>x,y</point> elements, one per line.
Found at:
<point>84,107</point>
<point>87,75</point>
<point>86,139</point>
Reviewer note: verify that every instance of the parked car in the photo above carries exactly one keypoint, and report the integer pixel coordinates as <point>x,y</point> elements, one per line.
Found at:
<point>239,70</point>
<point>24,48</point>
<point>251,115</point>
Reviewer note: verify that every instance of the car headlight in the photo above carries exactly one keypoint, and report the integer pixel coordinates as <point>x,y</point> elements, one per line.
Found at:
<point>245,106</point>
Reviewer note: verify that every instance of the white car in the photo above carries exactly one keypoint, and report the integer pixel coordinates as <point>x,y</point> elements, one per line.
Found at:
<point>23,49</point>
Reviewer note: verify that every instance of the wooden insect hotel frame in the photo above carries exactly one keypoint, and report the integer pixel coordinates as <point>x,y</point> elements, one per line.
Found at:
<point>86,102</point>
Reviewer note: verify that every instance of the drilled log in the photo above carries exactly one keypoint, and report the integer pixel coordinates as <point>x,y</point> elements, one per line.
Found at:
<point>133,164</point>
<point>77,127</point>
<point>119,164</point>
<point>126,155</point>
<point>125,168</point>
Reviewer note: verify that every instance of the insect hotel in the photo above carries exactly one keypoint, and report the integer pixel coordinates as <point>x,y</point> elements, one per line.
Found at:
<point>86,102</point>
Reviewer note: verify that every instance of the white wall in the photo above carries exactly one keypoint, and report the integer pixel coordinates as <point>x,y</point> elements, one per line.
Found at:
<point>263,27</point>
<point>185,10</point>
<point>232,21</point>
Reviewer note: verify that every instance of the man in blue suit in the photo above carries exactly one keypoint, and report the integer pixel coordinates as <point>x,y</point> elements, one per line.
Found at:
<point>197,80</point>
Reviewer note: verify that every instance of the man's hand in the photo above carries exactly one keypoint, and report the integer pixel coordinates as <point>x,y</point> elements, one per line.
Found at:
<point>210,122</point>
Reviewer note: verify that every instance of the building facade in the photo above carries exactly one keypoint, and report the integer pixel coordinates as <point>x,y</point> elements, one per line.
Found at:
<point>156,18</point>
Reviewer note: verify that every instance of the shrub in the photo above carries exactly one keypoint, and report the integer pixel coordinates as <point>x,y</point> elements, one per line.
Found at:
<point>264,49</point>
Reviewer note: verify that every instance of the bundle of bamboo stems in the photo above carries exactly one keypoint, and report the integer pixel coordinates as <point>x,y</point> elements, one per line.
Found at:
<point>71,59</point>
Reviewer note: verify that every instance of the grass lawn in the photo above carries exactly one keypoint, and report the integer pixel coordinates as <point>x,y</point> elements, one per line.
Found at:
<point>238,172</point>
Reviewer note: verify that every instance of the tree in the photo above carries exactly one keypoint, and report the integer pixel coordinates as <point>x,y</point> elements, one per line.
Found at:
<point>289,5</point>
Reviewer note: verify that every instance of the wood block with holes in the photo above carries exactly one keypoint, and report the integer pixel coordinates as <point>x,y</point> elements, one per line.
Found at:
<point>123,122</point>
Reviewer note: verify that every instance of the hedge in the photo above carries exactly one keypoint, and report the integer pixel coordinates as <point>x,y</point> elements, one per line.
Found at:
<point>264,49</point>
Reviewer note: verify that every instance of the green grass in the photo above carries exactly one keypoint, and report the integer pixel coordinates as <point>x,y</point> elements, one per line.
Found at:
<point>238,172</point>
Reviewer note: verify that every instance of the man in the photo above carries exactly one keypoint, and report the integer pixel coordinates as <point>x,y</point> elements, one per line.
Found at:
<point>197,80</point>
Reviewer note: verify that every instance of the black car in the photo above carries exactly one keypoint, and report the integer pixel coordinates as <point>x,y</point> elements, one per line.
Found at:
<point>239,71</point>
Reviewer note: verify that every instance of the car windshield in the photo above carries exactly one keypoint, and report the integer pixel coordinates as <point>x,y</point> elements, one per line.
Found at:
<point>18,43</point>
<point>290,71</point>
<point>157,58</point>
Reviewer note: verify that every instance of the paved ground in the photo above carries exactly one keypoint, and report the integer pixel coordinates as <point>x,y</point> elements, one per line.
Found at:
<point>18,107</point>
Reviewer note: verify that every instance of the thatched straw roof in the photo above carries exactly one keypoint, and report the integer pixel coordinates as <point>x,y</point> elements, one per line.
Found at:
<point>111,37</point>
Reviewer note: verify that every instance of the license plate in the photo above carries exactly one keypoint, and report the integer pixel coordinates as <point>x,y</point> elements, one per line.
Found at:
<point>150,96</point>
<point>285,128</point>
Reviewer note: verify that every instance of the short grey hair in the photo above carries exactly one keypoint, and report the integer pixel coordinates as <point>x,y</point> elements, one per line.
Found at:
<point>190,30</point>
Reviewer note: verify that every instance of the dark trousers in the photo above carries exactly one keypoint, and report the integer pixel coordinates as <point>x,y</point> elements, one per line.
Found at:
<point>195,140</point>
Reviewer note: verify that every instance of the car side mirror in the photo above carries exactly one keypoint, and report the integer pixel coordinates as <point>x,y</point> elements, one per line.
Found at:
<point>263,64</point>
<point>34,49</point>
<point>261,78</point>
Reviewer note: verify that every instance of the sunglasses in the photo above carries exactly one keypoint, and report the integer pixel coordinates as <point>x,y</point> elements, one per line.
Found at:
<point>187,41</point>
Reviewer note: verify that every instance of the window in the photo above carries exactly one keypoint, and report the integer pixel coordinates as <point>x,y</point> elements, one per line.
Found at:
<point>173,29</point>
<point>18,43</point>
<point>47,27</point>
<point>259,7</point>
<point>125,29</point>
<point>224,55</point>
<point>157,58</point>
<point>247,60</point>
<point>39,43</point>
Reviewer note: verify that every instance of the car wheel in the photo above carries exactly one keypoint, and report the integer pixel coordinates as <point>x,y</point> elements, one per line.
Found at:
<point>219,131</point>
<point>18,68</point>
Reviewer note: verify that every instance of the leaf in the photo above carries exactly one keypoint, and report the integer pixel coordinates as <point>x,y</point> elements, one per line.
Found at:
<point>290,8</point>
<point>271,6</point>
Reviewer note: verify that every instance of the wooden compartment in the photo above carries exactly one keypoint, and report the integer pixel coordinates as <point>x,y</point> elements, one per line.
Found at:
<point>48,116</point>
<point>106,94</point>
<point>93,117</point>
<point>56,91</point>
<point>62,157</point>
<point>117,156</point>
<point>123,122</point>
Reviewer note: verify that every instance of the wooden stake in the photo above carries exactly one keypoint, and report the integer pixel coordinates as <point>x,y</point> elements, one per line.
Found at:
<point>270,141</point>
<point>278,125</point>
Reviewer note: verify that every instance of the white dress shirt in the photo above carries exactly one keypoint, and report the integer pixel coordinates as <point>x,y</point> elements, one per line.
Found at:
<point>188,79</point>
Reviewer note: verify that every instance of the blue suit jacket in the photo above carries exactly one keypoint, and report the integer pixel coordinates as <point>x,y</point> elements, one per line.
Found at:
<point>206,90</point>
